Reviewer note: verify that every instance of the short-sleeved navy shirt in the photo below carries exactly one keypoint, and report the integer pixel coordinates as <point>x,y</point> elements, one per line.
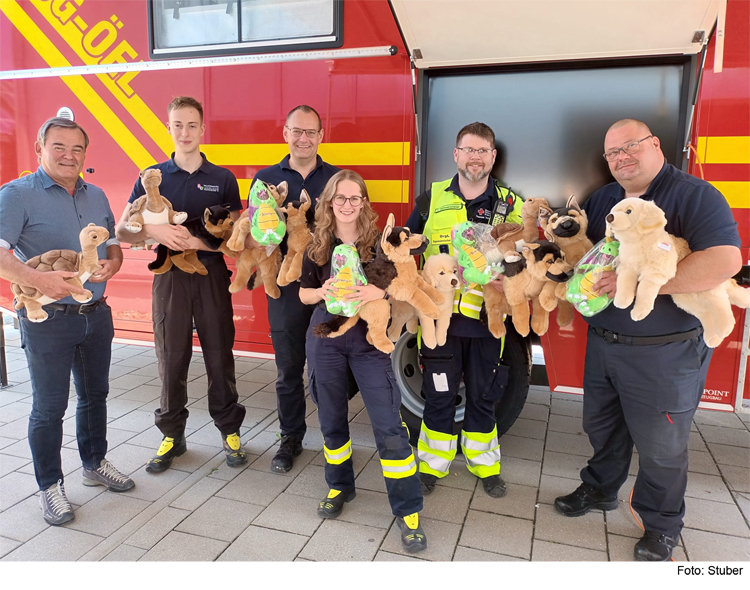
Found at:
<point>209,185</point>
<point>695,211</point>
<point>313,183</point>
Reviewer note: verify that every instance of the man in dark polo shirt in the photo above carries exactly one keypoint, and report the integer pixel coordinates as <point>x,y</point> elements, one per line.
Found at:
<point>288,317</point>
<point>47,211</point>
<point>191,183</point>
<point>643,380</point>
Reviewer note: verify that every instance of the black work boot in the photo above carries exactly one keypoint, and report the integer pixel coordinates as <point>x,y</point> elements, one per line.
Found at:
<point>284,459</point>
<point>654,546</point>
<point>332,505</point>
<point>233,450</point>
<point>168,450</point>
<point>584,499</point>
<point>428,482</point>
<point>413,538</point>
<point>494,486</point>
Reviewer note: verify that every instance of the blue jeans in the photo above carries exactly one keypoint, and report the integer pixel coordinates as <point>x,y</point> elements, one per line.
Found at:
<point>64,342</point>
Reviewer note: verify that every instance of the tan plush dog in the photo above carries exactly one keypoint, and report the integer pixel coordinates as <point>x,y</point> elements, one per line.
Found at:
<point>536,279</point>
<point>648,259</point>
<point>85,263</point>
<point>267,265</point>
<point>395,271</point>
<point>440,271</point>
<point>151,209</point>
<point>298,223</point>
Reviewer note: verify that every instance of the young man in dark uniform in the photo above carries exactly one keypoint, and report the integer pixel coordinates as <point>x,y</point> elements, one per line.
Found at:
<point>288,317</point>
<point>643,380</point>
<point>470,351</point>
<point>191,183</point>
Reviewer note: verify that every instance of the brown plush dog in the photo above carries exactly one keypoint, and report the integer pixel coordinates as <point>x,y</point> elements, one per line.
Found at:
<point>535,279</point>
<point>267,265</point>
<point>151,208</point>
<point>511,237</point>
<point>300,218</point>
<point>440,271</point>
<point>648,259</point>
<point>214,228</point>
<point>394,270</point>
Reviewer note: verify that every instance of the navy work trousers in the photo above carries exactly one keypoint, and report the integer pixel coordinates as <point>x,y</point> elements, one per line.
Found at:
<point>65,342</point>
<point>329,362</point>
<point>180,298</point>
<point>647,396</point>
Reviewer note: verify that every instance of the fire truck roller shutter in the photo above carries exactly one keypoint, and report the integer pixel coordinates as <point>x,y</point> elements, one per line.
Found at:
<point>517,355</point>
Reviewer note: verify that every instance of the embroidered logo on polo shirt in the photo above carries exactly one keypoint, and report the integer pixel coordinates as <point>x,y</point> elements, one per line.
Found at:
<point>211,188</point>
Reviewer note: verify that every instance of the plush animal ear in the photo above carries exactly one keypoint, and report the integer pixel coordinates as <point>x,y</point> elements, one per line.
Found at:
<point>141,173</point>
<point>283,188</point>
<point>651,218</point>
<point>388,229</point>
<point>573,203</point>
<point>303,196</point>
<point>207,215</point>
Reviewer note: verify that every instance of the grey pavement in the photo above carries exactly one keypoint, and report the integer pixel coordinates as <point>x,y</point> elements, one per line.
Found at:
<point>202,510</point>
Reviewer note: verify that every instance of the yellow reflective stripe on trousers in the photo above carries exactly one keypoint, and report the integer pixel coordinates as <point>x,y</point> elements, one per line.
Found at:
<point>436,451</point>
<point>399,468</point>
<point>482,452</point>
<point>338,456</point>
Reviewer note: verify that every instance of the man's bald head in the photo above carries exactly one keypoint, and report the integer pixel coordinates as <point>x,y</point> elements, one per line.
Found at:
<point>634,171</point>
<point>639,125</point>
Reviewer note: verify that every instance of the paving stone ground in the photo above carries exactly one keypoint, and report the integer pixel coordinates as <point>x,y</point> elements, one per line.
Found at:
<point>201,510</point>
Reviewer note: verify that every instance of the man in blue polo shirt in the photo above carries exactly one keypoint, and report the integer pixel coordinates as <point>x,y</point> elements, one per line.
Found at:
<point>191,183</point>
<point>47,211</point>
<point>643,380</point>
<point>288,317</point>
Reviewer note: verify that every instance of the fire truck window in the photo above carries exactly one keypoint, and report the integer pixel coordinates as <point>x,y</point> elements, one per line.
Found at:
<point>206,27</point>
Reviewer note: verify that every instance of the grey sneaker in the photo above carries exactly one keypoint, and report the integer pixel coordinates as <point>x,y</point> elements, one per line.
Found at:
<point>106,475</point>
<point>56,509</point>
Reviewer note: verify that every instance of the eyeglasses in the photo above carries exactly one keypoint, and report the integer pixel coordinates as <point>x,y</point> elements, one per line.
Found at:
<point>297,132</point>
<point>471,151</point>
<point>353,201</point>
<point>631,148</point>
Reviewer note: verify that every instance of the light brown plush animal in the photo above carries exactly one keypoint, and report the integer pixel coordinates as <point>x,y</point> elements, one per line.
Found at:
<point>395,271</point>
<point>298,238</point>
<point>536,279</point>
<point>85,263</point>
<point>151,209</point>
<point>648,259</point>
<point>266,265</point>
<point>440,271</point>
<point>511,237</point>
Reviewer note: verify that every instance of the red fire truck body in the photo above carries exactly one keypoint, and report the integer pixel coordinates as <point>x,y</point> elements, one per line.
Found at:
<point>368,109</point>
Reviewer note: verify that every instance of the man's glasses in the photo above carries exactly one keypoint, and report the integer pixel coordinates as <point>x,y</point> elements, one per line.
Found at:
<point>297,132</point>
<point>353,201</point>
<point>471,151</point>
<point>631,148</point>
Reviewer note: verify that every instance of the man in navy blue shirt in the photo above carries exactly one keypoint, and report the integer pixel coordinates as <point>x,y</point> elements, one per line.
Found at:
<point>643,380</point>
<point>288,317</point>
<point>180,300</point>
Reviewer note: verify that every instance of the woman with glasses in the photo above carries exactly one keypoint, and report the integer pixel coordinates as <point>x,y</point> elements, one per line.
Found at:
<point>343,215</point>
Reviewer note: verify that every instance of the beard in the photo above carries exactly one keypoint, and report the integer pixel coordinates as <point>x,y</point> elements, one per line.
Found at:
<point>482,174</point>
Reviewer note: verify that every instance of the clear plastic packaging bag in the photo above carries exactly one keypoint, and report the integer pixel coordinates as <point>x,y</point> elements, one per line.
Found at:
<point>602,257</point>
<point>346,270</point>
<point>267,225</point>
<point>479,258</point>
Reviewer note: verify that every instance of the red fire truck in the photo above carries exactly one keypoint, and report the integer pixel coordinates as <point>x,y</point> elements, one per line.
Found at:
<point>394,81</point>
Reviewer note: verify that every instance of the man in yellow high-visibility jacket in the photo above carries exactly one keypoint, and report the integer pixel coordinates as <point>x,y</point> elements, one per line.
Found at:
<point>470,351</point>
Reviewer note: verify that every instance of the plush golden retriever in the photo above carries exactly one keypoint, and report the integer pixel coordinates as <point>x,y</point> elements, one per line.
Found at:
<point>648,259</point>
<point>440,271</point>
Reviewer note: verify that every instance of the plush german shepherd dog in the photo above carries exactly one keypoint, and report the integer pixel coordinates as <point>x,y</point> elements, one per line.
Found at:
<point>213,229</point>
<point>536,278</point>
<point>394,270</point>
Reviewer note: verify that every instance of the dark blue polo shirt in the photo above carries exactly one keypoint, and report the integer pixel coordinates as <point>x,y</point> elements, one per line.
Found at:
<point>208,186</point>
<point>313,183</point>
<point>695,211</point>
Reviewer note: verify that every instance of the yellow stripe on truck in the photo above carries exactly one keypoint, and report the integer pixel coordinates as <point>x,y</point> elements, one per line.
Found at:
<point>82,89</point>
<point>737,193</point>
<point>724,150</point>
<point>383,153</point>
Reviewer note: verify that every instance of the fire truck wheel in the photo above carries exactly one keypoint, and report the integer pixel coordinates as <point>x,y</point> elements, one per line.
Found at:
<point>405,360</point>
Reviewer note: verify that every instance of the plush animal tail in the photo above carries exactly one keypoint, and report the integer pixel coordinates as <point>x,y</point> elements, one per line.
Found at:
<point>254,281</point>
<point>336,327</point>
<point>162,263</point>
<point>738,296</point>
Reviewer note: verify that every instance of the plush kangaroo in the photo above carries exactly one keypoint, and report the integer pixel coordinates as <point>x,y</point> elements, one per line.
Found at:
<point>299,220</point>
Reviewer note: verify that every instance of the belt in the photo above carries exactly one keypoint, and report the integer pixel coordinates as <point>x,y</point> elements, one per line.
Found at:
<point>615,338</point>
<point>69,308</point>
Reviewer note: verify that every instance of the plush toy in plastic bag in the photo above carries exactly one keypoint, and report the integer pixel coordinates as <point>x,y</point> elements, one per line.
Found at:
<point>346,270</point>
<point>267,225</point>
<point>587,272</point>
<point>479,258</point>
